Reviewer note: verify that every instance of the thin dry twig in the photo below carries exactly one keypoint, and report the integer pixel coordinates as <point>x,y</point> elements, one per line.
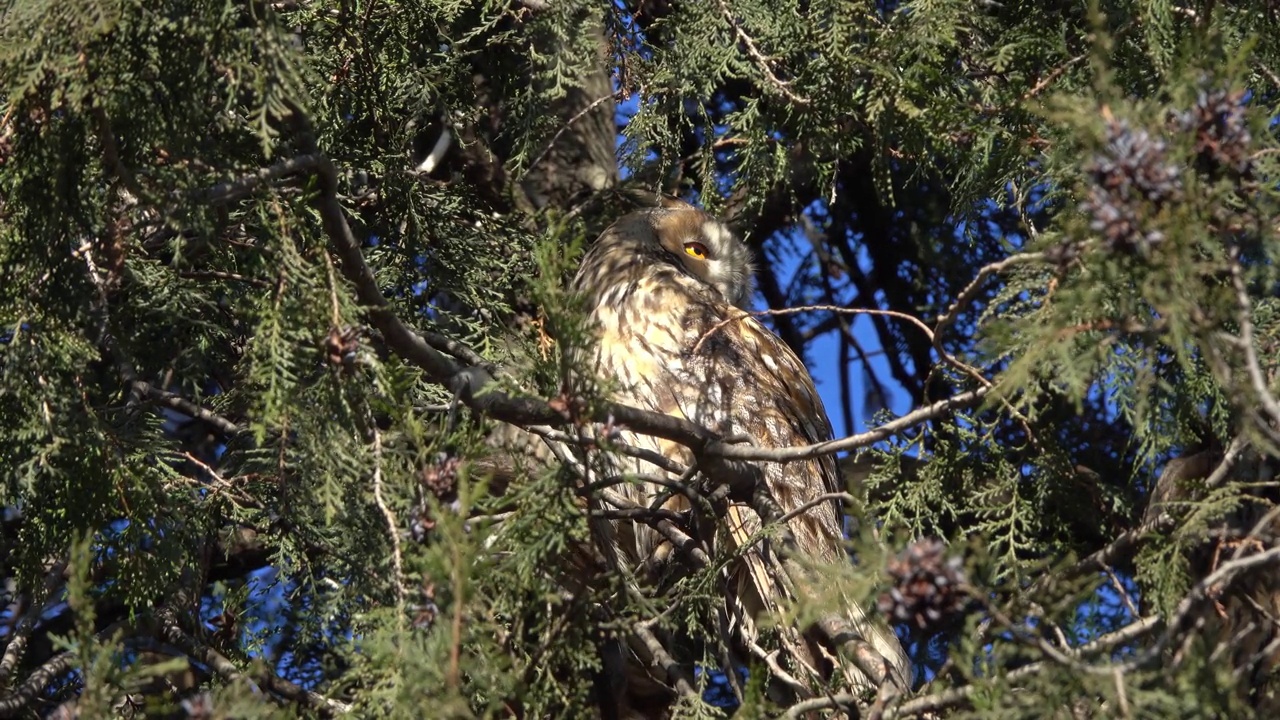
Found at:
<point>220,484</point>
<point>218,275</point>
<point>852,442</point>
<point>1052,77</point>
<point>782,86</point>
<point>647,645</point>
<point>843,497</point>
<point>1251,364</point>
<point>809,308</point>
<point>933,335</point>
<point>970,292</point>
<point>959,696</point>
<point>589,441</point>
<point>244,186</point>
<point>1124,544</point>
<point>393,525</point>
<point>568,124</point>
<point>677,537</point>
<point>967,296</point>
<point>173,401</point>
<point>1181,618</point>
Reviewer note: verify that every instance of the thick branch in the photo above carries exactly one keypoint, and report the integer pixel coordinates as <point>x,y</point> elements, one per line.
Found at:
<point>171,633</point>
<point>176,402</point>
<point>14,703</point>
<point>472,384</point>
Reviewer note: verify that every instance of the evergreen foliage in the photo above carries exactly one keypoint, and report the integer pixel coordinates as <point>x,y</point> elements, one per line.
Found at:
<point>271,272</point>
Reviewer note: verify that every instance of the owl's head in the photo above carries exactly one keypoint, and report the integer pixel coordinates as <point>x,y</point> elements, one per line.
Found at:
<point>678,234</point>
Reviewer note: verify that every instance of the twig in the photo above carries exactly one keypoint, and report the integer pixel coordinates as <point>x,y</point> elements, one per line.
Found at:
<point>761,61</point>
<point>663,525</point>
<point>645,454</point>
<point>932,335</point>
<point>1246,342</point>
<point>173,401</point>
<point>568,124</point>
<point>655,655</point>
<point>810,308</point>
<point>823,498</point>
<point>393,526</point>
<point>1121,591</point>
<point>1124,544</point>
<point>1053,75</point>
<point>1216,580</point>
<point>959,696</point>
<point>1121,700</point>
<point>217,275</point>
<point>971,290</point>
<point>836,701</point>
<point>965,297</point>
<point>220,483</point>
<point>771,660</point>
<point>852,442</point>
<point>244,186</point>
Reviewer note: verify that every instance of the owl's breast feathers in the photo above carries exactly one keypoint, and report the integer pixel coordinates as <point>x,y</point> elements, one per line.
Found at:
<point>663,339</point>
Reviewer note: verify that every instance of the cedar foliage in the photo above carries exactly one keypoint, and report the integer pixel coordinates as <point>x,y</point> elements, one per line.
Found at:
<point>229,492</point>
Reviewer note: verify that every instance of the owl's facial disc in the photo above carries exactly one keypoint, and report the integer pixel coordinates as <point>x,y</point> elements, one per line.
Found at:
<point>709,252</point>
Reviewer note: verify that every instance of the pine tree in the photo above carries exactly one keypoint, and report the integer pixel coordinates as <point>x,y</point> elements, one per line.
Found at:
<point>272,274</point>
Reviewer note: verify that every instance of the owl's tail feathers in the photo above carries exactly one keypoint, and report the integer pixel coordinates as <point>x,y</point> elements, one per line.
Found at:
<point>864,651</point>
<point>872,654</point>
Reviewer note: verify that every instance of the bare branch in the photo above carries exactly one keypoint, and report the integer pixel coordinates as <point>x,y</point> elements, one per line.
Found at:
<point>838,309</point>
<point>971,291</point>
<point>663,525</point>
<point>170,632</point>
<point>27,622</point>
<point>14,703</point>
<point>852,442</point>
<point>651,651</point>
<point>565,128</point>
<point>173,401</point>
<point>1245,318</point>
<point>243,187</point>
<point>393,526</point>
<point>960,696</point>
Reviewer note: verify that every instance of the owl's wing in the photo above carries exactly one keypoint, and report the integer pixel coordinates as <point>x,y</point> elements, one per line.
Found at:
<point>775,404</point>
<point>753,384</point>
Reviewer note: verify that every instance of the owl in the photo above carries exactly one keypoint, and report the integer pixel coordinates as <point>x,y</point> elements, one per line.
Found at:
<point>666,289</point>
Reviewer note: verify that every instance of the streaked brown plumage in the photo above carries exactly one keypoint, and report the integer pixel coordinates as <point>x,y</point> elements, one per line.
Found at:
<point>659,283</point>
<point>1242,625</point>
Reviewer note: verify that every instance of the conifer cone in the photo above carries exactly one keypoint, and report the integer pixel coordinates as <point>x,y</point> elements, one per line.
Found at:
<point>1130,171</point>
<point>1221,132</point>
<point>928,589</point>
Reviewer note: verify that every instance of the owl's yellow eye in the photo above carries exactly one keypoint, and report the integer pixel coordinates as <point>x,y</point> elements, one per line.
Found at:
<point>696,249</point>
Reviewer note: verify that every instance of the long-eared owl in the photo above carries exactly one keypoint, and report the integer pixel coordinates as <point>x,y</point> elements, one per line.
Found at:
<point>665,287</point>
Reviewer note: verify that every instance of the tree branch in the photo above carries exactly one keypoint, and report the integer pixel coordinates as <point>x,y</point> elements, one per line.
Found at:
<point>15,702</point>
<point>852,442</point>
<point>173,401</point>
<point>171,633</point>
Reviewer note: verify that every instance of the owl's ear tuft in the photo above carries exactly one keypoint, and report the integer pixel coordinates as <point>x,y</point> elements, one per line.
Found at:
<point>645,198</point>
